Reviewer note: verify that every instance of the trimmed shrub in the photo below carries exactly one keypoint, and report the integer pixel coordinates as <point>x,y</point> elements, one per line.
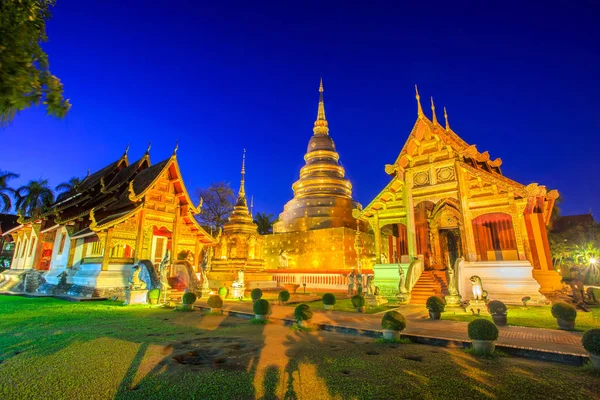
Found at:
<point>591,341</point>
<point>153,296</point>
<point>256,294</point>
<point>328,299</point>
<point>262,307</point>
<point>284,296</point>
<point>223,291</point>
<point>564,311</point>
<point>215,301</point>
<point>435,304</point>
<point>394,321</point>
<point>482,329</point>
<point>189,298</point>
<point>496,307</point>
<point>303,312</point>
<point>358,301</point>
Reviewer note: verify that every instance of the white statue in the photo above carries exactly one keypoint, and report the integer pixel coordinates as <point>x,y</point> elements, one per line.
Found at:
<point>402,281</point>
<point>135,283</point>
<point>239,282</point>
<point>478,292</point>
<point>164,272</point>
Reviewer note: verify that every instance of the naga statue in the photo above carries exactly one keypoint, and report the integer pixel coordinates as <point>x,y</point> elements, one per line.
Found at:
<point>164,272</point>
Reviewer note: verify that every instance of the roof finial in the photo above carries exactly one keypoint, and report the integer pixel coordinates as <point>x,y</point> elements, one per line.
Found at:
<point>419,108</point>
<point>446,117</point>
<point>176,146</point>
<point>127,149</point>
<point>434,119</point>
<point>242,192</point>
<point>88,174</point>
<point>321,126</point>
<point>149,146</point>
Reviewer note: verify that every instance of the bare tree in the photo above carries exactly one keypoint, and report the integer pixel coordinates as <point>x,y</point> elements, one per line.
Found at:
<point>218,203</point>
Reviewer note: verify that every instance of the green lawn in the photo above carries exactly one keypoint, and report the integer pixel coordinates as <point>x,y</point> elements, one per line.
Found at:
<point>535,317</point>
<point>60,350</point>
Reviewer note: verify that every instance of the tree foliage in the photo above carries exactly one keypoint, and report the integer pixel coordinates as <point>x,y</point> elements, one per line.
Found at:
<point>218,201</point>
<point>25,78</point>
<point>34,198</point>
<point>6,192</point>
<point>265,222</point>
<point>67,187</point>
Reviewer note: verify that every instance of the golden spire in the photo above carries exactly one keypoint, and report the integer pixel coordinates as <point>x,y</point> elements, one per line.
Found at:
<point>446,117</point>
<point>435,121</point>
<point>242,192</point>
<point>419,108</point>
<point>321,126</point>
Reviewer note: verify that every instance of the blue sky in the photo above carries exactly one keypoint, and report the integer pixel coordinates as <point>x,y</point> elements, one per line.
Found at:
<point>519,80</point>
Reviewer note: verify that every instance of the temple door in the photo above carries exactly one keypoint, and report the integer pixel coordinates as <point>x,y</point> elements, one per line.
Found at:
<point>159,249</point>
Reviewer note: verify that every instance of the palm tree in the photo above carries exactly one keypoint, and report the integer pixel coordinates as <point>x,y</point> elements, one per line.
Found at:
<point>6,192</point>
<point>34,198</point>
<point>265,223</point>
<point>67,187</point>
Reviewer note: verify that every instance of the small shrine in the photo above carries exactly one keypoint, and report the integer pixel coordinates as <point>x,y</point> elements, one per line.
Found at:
<point>239,248</point>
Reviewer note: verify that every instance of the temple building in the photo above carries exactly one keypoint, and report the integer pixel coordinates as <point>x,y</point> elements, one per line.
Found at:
<point>239,247</point>
<point>315,232</point>
<point>447,201</point>
<point>124,214</point>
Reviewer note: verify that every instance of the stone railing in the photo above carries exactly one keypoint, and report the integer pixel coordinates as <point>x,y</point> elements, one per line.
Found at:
<point>316,281</point>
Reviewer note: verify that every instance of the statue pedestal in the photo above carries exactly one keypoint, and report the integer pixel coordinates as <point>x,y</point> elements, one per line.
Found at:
<point>137,296</point>
<point>373,300</point>
<point>477,307</point>
<point>453,300</point>
<point>237,292</point>
<point>403,298</point>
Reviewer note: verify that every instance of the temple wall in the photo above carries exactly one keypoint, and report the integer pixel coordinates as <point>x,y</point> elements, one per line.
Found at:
<point>318,250</point>
<point>60,260</point>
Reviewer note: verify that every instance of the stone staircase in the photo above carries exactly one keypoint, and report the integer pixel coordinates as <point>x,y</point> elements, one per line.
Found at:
<point>430,283</point>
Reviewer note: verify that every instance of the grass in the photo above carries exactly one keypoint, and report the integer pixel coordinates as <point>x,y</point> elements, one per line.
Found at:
<point>99,350</point>
<point>533,316</point>
<point>346,305</point>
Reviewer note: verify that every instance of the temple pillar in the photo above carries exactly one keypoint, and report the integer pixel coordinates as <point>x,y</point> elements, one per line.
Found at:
<point>374,222</point>
<point>139,240</point>
<point>517,214</point>
<point>410,216</point>
<point>175,235</point>
<point>547,277</point>
<point>463,193</point>
<point>107,244</point>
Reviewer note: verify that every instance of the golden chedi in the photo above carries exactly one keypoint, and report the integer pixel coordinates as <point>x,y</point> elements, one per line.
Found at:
<point>316,230</point>
<point>322,195</point>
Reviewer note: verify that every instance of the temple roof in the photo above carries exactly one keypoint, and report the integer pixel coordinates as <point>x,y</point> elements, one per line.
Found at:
<point>8,222</point>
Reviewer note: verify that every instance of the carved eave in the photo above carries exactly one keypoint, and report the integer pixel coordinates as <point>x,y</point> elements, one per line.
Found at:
<point>115,219</point>
<point>496,179</point>
<point>380,202</point>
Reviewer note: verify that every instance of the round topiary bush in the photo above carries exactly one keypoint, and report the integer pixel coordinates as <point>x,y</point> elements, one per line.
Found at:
<point>189,298</point>
<point>328,299</point>
<point>393,321</point>
<point>435,304</point>
<point>256,294</point>
<point>564,311</point>
<point>496,307</point>
<point>303,312</point>
<point>215,301</point>
<point>153,296</point>
<point>261,307</point>
<point>223,291</point>
<point>482,329</point>
<point>283,296</point>
<point>358,301</point>
<point>591,341</point>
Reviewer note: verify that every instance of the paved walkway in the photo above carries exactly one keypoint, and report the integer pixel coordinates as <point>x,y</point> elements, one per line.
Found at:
<point>419,324</point>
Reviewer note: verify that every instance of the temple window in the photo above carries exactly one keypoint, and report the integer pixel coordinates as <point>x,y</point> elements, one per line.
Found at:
<point>495,237</point>
<point>97,248</point>
<point>23,247</point>
<point>31,246</point>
